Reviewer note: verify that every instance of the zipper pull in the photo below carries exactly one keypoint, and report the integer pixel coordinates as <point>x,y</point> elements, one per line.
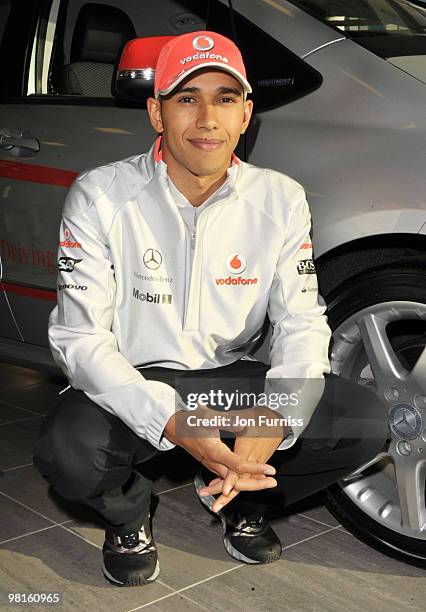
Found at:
<point>194,232</point>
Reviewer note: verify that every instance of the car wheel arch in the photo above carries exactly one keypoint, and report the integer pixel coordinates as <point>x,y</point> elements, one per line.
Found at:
<point>343,263</point>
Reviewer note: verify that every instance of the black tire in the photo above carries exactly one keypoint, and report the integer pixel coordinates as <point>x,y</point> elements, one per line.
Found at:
<point>406,281</point>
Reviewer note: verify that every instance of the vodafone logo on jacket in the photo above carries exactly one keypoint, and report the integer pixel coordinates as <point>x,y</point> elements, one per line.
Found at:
<point>236,263</point>
<point>71,244</point>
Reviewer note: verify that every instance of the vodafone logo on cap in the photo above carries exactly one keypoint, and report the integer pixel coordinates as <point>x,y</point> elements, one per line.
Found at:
<point>236,263</point>
<point>203,43</point>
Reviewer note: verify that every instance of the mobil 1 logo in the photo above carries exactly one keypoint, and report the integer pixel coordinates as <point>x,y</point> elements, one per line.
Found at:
<point>156,298</point>
<point>306,266</point>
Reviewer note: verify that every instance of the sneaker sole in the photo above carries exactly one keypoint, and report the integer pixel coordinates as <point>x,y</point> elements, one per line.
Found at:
<point>134,579</point>
<point>208,501</point>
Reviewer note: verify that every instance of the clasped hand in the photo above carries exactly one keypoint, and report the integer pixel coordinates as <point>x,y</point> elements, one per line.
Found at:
<point>244,468</point>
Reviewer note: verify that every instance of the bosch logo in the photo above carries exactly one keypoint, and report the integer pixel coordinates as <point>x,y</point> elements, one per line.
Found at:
<point>67,233</point>
<point>203,43</point>
<point>67,264</point>
<point>152,259</point>
<point>236,263</point>
<point>306,266</point>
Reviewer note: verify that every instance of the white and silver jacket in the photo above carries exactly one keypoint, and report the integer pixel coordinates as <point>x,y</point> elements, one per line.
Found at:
<point>136,289</point>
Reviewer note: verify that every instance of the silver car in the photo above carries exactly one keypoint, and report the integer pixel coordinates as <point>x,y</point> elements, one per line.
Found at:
<point>339,89</point>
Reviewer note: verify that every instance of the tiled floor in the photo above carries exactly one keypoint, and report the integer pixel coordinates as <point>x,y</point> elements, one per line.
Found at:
<point>49,545</point>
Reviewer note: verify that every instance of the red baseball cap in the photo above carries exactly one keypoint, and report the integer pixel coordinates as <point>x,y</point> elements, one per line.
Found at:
<point>187,53</point>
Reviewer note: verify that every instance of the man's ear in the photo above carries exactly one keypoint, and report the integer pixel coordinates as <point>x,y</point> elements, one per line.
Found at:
<point>153,106</point>
<point>248,110</point>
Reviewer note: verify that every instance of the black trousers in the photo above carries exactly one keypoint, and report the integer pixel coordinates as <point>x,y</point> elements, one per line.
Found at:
<point>90,456</point>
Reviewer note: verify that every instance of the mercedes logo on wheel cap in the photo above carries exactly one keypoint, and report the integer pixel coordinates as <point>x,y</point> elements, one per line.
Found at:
<point>152,259</point>
<point>405,421</point>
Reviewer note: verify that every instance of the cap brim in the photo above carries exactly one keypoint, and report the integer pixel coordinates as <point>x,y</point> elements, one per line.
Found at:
<point>246,85</point>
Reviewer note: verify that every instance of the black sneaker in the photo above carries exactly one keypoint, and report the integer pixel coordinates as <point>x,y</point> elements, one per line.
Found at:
<point>131,559</point>
<point>249,539</point>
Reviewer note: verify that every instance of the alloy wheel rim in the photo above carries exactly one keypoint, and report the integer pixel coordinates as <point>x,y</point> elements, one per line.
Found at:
<point>391,488</point>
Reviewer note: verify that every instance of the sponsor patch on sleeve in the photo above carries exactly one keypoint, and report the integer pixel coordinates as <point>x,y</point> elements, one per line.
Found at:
<point>306,266</point>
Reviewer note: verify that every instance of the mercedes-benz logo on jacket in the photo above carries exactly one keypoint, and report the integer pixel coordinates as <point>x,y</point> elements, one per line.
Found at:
<point>152,259</point>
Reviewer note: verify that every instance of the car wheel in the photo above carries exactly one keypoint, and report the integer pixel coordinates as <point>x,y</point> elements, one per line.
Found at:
<point>378,320</point>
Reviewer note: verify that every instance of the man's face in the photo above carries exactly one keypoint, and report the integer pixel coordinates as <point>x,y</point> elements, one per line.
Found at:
<point>201,121</point>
